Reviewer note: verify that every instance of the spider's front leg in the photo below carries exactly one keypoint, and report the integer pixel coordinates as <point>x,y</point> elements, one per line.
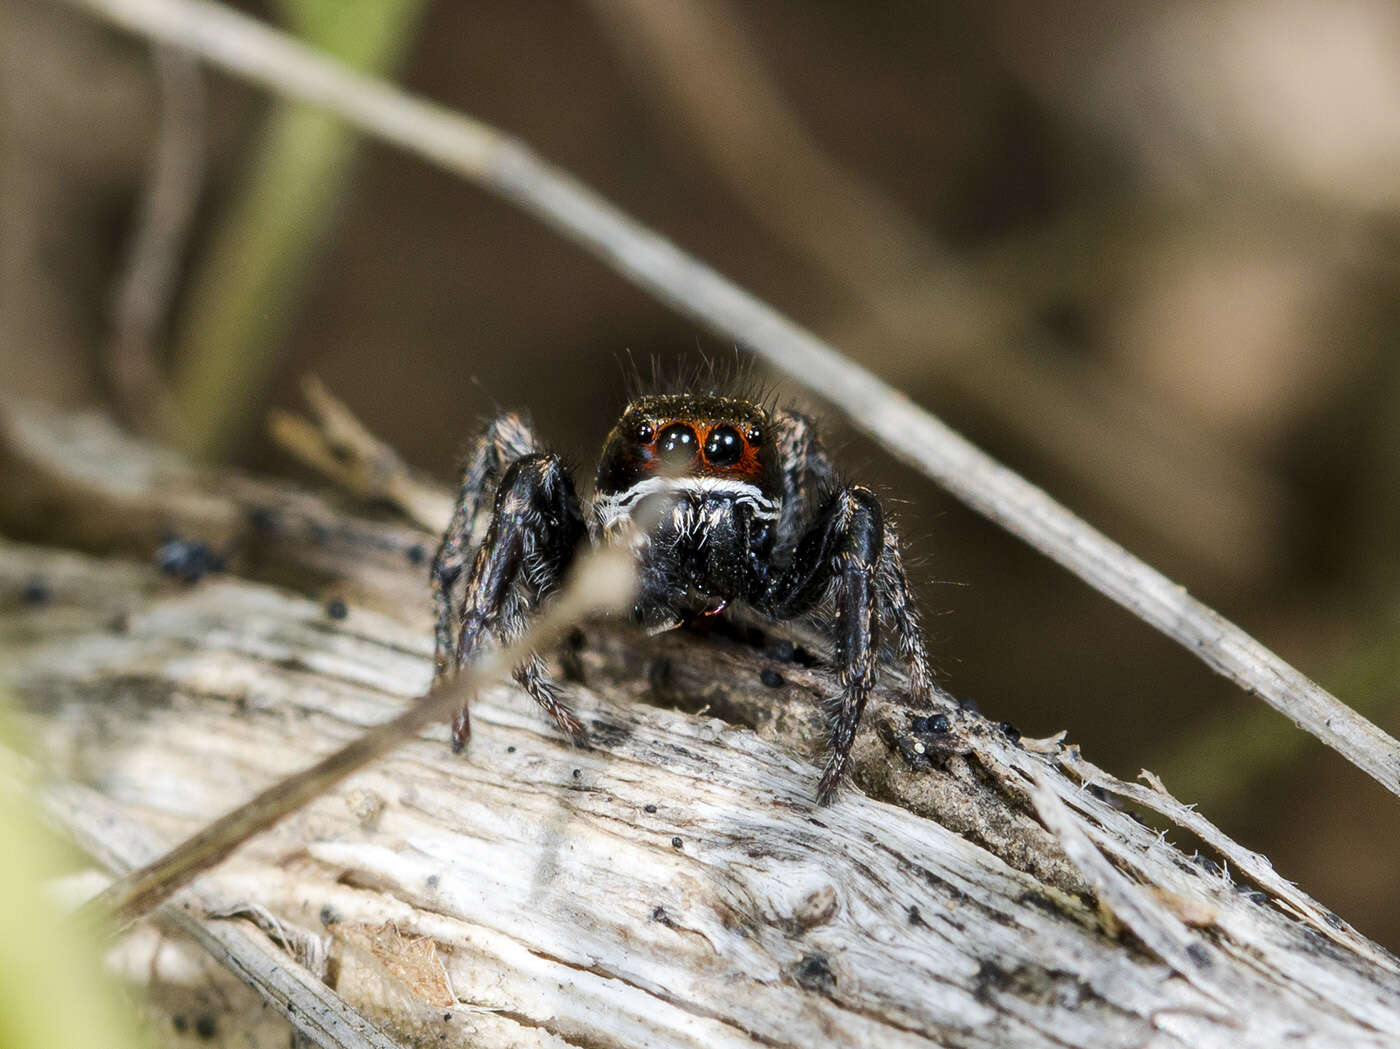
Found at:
<point>529,540</point>
<point>507,438</point>
<point>849,557</point>
<point>838,559</point>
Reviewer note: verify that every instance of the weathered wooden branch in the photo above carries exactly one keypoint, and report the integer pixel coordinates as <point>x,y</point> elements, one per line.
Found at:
<point>673,885</point>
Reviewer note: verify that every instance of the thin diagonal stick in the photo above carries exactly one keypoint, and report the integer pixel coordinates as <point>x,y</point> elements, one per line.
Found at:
<point>601,582</point>
<point>510,169</point>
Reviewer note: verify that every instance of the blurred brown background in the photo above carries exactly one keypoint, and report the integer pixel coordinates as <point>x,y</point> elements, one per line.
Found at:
<point>1144,252</point>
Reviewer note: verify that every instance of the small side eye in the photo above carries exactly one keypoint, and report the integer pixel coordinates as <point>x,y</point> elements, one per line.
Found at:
<point>644,433</point>
<point>754,435</point>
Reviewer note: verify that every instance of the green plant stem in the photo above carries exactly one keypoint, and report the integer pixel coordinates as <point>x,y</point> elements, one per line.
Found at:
<point>53,991</point>
<point>244,296</point>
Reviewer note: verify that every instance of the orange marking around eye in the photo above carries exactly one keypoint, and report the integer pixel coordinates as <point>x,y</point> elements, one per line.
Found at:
<point>747,467</point>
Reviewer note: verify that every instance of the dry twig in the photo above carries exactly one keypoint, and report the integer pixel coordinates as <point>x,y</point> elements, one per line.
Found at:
<point>337,444</point>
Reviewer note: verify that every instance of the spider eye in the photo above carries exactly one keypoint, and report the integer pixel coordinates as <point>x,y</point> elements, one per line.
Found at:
<point>724,446</point>
<point>644,433</point>
<point>754,435</point>
<point>677,443</point>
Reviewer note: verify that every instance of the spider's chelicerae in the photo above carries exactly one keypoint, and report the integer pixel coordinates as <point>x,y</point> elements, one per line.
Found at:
<point>723,500</point>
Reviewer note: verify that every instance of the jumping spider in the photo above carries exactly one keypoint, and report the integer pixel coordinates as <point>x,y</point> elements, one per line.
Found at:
<point>723,501</point>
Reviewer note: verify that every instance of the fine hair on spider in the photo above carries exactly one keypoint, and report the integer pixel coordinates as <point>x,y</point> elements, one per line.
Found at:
<point>731,375</point>
<point>724,497</point>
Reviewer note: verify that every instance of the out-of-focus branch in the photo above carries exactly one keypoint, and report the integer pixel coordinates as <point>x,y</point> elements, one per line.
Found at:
<point>921,310</point>
<point>337,444</point>
<point>511,170</point>
<point>147,286</point>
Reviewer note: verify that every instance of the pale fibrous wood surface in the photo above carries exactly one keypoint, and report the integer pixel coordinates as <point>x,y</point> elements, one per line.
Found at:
<point>674,885</point>
<point>297,989</point>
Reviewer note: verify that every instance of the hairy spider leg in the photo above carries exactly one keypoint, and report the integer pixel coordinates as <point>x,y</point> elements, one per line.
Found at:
<point>899,613</point>
<point>506,438</point>
<point>529,540</point>
<point>533,533</point>
<point>836,560</point>
<point>809,478</point>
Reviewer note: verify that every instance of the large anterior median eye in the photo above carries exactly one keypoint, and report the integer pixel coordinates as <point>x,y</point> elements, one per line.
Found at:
<point>677,443</point>
<point>724,446</point>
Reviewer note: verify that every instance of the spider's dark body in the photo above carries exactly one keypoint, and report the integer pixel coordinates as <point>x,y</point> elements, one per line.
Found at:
<point>722,501</point>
